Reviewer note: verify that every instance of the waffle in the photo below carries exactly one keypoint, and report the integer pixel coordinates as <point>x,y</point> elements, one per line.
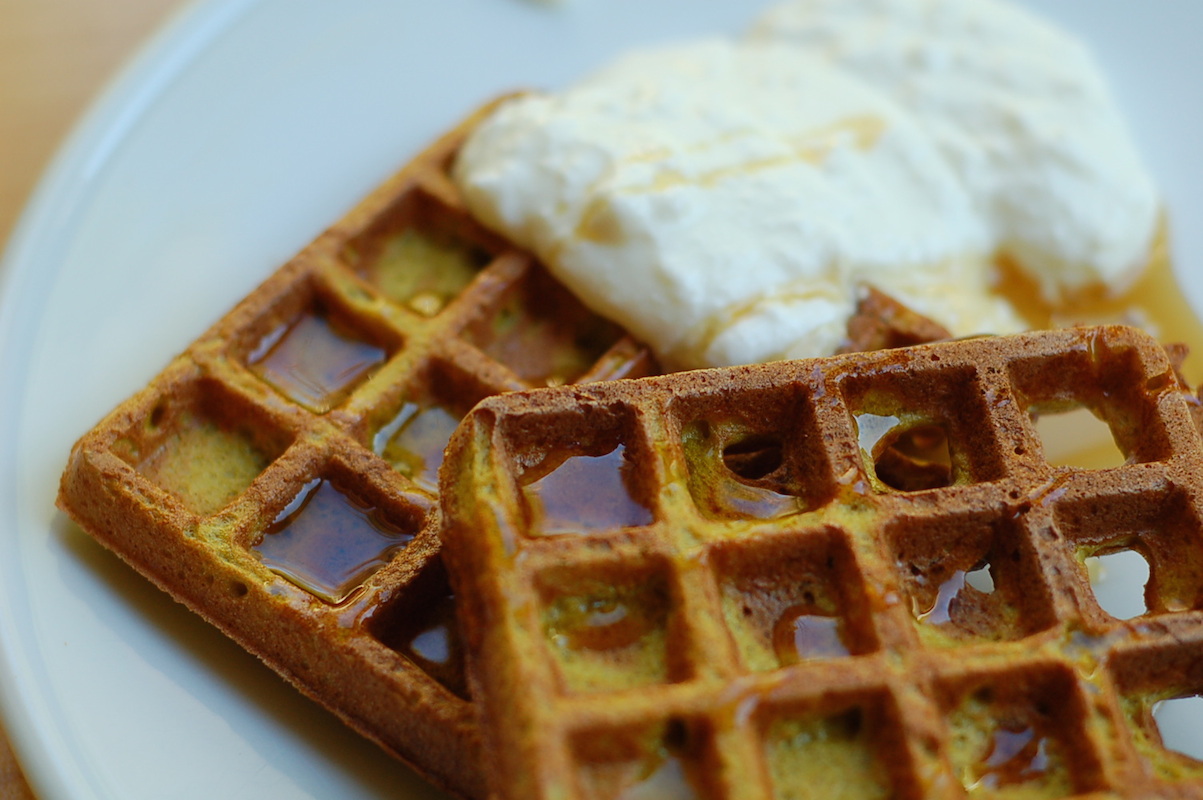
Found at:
<point>322,402</point>
<point>278,476</point>
<point>853,577</point>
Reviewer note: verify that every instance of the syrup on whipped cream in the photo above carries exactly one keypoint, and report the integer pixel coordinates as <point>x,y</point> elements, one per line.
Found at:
<point>724,200</point>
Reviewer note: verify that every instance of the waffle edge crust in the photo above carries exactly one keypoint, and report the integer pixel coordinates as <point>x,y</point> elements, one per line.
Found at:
<point>853,577</point>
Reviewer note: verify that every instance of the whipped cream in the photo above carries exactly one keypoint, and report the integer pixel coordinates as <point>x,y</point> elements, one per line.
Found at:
<point>724,200</point>
<point>1020,111</point>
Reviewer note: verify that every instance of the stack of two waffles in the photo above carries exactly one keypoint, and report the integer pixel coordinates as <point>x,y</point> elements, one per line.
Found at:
<point>850,577</point>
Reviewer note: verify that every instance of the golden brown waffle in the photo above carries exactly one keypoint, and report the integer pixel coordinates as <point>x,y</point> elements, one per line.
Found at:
<point>277,476</point>
<point>317,409</point>
<point>853,577</point>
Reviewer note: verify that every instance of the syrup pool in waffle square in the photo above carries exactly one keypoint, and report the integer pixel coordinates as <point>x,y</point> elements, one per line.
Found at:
<point>587,473</point>
<point>329,539</point>
<point>317,357</point>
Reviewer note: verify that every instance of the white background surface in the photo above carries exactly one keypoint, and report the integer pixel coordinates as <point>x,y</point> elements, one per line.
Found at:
<point>244,129</point>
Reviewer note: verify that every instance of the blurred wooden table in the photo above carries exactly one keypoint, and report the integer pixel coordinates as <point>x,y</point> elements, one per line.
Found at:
<point>54,57</point>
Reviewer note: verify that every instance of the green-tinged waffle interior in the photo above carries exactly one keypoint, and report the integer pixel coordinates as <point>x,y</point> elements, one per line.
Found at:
<point>853,577</point>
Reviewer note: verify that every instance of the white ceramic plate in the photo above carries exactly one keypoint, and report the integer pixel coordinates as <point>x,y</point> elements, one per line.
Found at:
<point>245,128</point>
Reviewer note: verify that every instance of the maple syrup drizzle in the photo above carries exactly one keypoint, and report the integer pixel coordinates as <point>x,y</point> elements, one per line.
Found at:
<point>327,543</point>
<point>414,442</point>
<point>753,502</point>
<point>585,494</point>
<point>313,363</point>
<point>940,612</point>
<point>905,457</point>
<point>1156,302</point>
<point>873,429</point>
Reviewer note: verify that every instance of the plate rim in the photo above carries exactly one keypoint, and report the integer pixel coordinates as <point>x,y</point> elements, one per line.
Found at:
<point>60,195</point>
